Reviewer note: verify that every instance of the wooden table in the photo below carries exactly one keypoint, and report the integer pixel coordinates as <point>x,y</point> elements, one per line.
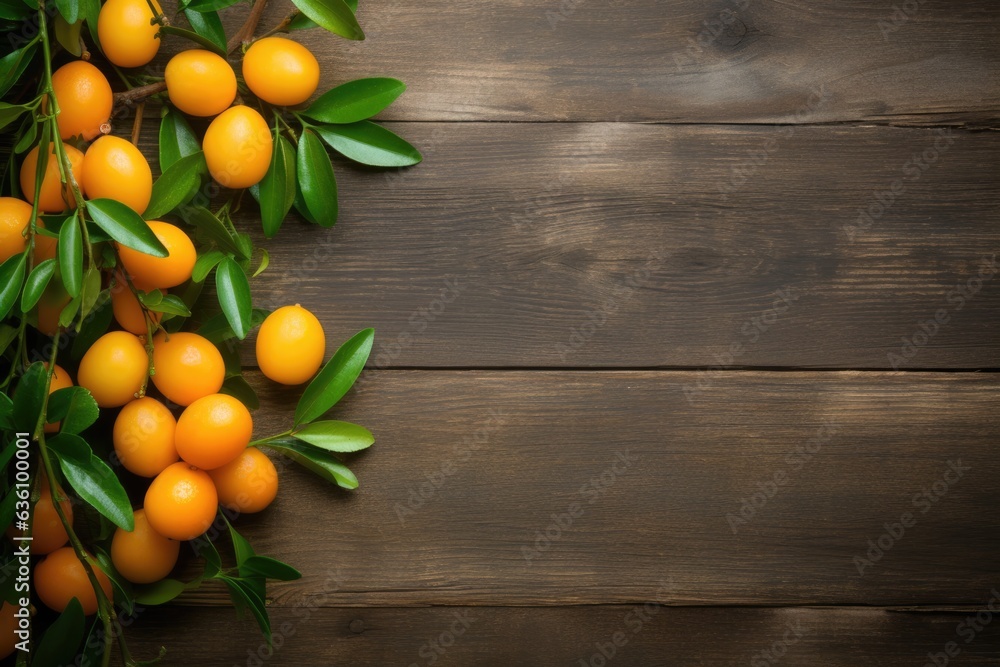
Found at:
<point>687,337</point>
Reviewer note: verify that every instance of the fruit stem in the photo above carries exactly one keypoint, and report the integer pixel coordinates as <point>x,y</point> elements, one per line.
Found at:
<point>246,31</point>
<point>137,122</point>
<point>281,27</point>
<point>135,95</point>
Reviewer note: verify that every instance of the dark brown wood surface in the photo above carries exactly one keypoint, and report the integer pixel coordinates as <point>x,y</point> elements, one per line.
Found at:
<point>665,268</point>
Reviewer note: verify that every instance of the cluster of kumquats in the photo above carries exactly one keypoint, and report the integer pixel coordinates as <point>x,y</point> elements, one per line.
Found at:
<point>102,269</point>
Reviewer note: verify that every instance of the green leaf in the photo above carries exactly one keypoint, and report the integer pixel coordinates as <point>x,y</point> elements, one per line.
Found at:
<point>70,250</point>
<point>370,144</point>
<point>11,112</point>
<point>242,549</point>
<point>38,280</point>
<point>205,263</point>
<point>68,34</point>
<point>123,594</point>
<point>316,180</point>
<point>336,436</point>
<point>335,378</point>
<point>125,226</point>
<point>194,37</point>
<point>75,407</point>
<point>209,5</point>
<point>59,644</point>
<point>355,100</point>
<point>206,22</point>
<point>92,479</point>
<point>90,10</point>
<point>69,9</point>
<point>12,66</point>
<point>94,325</point>
<point>265,260</point>
<point>11,279</point>
<point>270,568</point>
<point>301,22</point>
<point>14,10</point>
<point>6,417</point>
<point>277,190</point>
<point>27,139</point>
<point>176,184</point>
<point>177,139</point>
<point>170,304</point>
<point>244,596</point>
<point>161,592</point>
<point>29,396</point>
<point>208,224</point>
<point>233,290</point>
<point>332,15</point>
<point>218,330</point>
<point>237,387</point>
<point>317,461</point>
<point>204,548</point>
<point>91,291</point>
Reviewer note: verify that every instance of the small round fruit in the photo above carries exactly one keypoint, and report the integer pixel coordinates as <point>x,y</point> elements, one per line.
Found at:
<point>200,82</point>
<point>60,380</point>
<point>126,308</point>
<point>53,197</point>
<point>188,367</point>
<point>84,97</point>
<point>162,272</point>
<point>213,431</point>
<point>248,483</point>
<point>114,368</point>
<point>47,531</point>
<point>115,169</point>
<point>53,300</point>
<point>14,217</point>
<point>143,437</point>
<point>61,577</point>
<point>238,147</point>
<point>290,345</point>
<point>8,624</point>
<point>127,33</point>
<point>280,71</point>
<point>181,502</point>
<point>143,556</point>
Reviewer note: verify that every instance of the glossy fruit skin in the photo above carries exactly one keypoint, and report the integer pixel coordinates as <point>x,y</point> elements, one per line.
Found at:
<point>247,484</point>
<point>280,71</point>
<point>162,272</point>
<point>213,431</point>
<point>53,300</point>
<point>52,197</point>
<point>60,380</point>
<point>126,309</point>
<point>114,368</point>
<point>115,169</point>
<point>143,437</point>
<point>61,577</point>
<point>200,82</point>
<point>181,502</point>
<point>143,556</point>
<point>84,97</point>
<point>238,147</point>
<point>188,367</point>
<point>47,531</point>
<point>290,345</point>
<point>127,33</point>
<point>15,214</point>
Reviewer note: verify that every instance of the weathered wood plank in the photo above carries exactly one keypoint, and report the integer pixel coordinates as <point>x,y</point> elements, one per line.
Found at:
<point>554,488</point>
<point>648,635</point>
<point>722,61</point>
<point>623,245</point>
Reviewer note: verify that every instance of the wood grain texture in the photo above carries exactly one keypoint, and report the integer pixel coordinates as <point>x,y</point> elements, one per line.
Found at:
<point>623,245</point>
<point>471,467</point>
<point>721,61</point>
<point>650,636</point>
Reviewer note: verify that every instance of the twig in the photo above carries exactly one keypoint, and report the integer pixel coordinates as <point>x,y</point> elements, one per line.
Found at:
<point>137,123</point>
<point>136,95</point>
<point>249,27</point>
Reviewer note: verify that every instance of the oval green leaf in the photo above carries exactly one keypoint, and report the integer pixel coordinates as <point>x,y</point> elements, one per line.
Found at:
<point>11,279</point>
<point>355,100</point>
<point>277,190</point>
<point>336,436</point>
<point>194,37</point>
<point>75,407</point>
<point>92,479</point>
<point>332,15</point>
<point>233,289</point>
<point>125,226</point>
<point>213,229</point>
<point>335,378</point>
<point>316,181</point>
<point>70,250</point>
<point>59,644</point>
<point>38,280</point>
<point>370,144</point>
<point>177,139</point>
<point>317,461</point>
<point>270,568</point>
<point>206,22</point>
<point>175,185</point>
<point>205,263</point>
